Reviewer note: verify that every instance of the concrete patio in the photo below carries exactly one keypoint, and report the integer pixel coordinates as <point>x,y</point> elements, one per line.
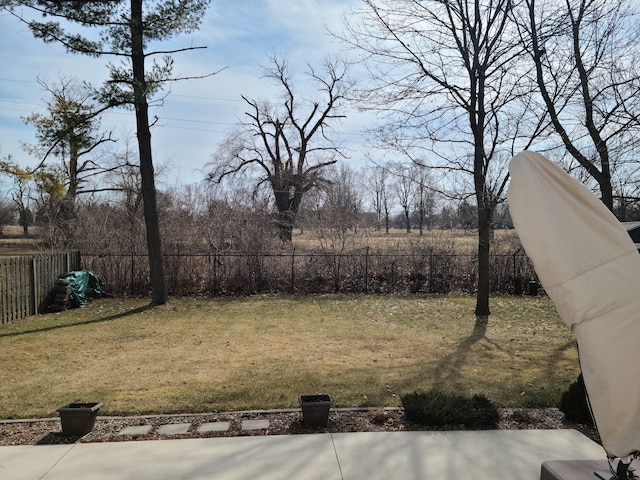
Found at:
<point>482,455</point>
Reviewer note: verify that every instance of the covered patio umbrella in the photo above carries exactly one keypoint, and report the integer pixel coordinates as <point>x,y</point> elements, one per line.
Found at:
<point>589,266</point>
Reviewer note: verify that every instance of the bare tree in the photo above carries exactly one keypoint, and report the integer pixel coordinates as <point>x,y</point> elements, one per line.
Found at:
<point>7,213</point>
<point>446,77</point>
<point>586,70</point>
<point>378,184</point>
<point>42,187</point>
<point>404,189</point>
<point>20,195</point>
<point>342,204</point>
<point>288,144</point>
<point>424,197</point>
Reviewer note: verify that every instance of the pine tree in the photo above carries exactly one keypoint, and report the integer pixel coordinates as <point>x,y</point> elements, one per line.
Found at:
<point>123,29</point>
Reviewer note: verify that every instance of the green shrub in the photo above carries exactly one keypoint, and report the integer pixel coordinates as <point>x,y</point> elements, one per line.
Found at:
<point>574,403</point>
<point>438,408</point>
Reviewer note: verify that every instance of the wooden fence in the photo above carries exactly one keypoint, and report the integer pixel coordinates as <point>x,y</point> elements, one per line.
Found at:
<point>26,283</point>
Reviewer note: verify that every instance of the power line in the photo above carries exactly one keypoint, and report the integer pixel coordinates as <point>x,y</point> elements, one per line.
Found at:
<point>16,80</point>
<point>207,122</point>
<point>215,99</point>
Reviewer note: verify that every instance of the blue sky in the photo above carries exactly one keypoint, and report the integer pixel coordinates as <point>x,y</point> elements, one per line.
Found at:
<point>240,36</point>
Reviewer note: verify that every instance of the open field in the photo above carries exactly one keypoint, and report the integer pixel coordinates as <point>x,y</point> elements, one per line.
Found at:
<point>398,240</point>
<point>13,243</point>
<point>197,355</point>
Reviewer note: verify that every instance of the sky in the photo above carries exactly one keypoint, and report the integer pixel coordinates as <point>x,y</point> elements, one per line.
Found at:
<point>197,115</point>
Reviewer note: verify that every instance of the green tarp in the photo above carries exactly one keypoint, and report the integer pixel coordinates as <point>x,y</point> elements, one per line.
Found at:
<point>85,286</point>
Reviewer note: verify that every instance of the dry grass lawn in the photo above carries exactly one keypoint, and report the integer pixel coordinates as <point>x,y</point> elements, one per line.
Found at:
<point>198,355</point>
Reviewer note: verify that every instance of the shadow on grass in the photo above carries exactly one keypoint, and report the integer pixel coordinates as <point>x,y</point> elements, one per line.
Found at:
<point>110,318</point>
<point>556,356</point>
<point>447,371</point>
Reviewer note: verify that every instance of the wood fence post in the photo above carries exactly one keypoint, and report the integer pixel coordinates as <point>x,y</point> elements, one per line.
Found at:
<point>34,290</point>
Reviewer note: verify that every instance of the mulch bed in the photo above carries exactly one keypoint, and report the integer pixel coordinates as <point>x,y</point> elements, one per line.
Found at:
<point>284,422</point>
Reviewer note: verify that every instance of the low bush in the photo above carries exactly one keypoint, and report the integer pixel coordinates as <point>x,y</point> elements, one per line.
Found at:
<point>438,408</point>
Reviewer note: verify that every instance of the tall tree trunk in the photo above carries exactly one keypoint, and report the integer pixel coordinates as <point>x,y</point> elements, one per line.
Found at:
<point>72,191</point>
<point>68,202</point>
<point>484,241</point>
<point>286,220</point>
<point>477,121</point>
<point>606,190</point>
<point>386,220</point>
<point>287,207</point>
<point>285,231</point>
<point>147,174</point>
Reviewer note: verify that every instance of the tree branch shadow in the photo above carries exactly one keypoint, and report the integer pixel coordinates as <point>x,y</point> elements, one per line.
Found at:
<point>447,370</point>
<point>110,318</point>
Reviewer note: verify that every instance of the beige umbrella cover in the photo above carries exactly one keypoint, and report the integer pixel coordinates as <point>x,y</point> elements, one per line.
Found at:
<point>589,266</point>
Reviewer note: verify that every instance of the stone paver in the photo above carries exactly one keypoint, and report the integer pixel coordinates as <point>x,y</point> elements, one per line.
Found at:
<point>255,424</point>
<point>183,428</point>
<point>174,429</point>
<point>136,430</point>
<point>214,427</point>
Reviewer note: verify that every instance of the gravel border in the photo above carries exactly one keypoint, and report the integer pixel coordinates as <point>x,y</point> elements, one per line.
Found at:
<point>47,431</point>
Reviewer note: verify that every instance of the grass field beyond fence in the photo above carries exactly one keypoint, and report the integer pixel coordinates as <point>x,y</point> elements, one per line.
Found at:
<point>204,355</point>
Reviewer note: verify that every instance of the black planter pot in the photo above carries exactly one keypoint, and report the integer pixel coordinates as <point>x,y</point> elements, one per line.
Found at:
<point>78,419</point>
<point>315,409</point>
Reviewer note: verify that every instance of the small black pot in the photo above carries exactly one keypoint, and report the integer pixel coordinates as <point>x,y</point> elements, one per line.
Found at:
<point>315,409</point>
<point>78,419</point>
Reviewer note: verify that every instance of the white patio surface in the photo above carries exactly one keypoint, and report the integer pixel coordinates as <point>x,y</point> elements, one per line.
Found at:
<point>482,455</point>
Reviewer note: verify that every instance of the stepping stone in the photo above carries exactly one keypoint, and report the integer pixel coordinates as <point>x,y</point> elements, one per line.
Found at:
<point>136,430</point>
<point>255,424</point>
<point>174,429</point>
<point>214,427</point>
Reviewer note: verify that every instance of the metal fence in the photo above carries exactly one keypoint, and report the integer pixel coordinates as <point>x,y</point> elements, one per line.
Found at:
<point>306,273</point>
<point>26,282</point>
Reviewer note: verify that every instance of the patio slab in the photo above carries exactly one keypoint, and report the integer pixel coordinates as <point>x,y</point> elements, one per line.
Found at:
<point>30,462</point>
<point>482,455</point>
<point>238,458</point>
